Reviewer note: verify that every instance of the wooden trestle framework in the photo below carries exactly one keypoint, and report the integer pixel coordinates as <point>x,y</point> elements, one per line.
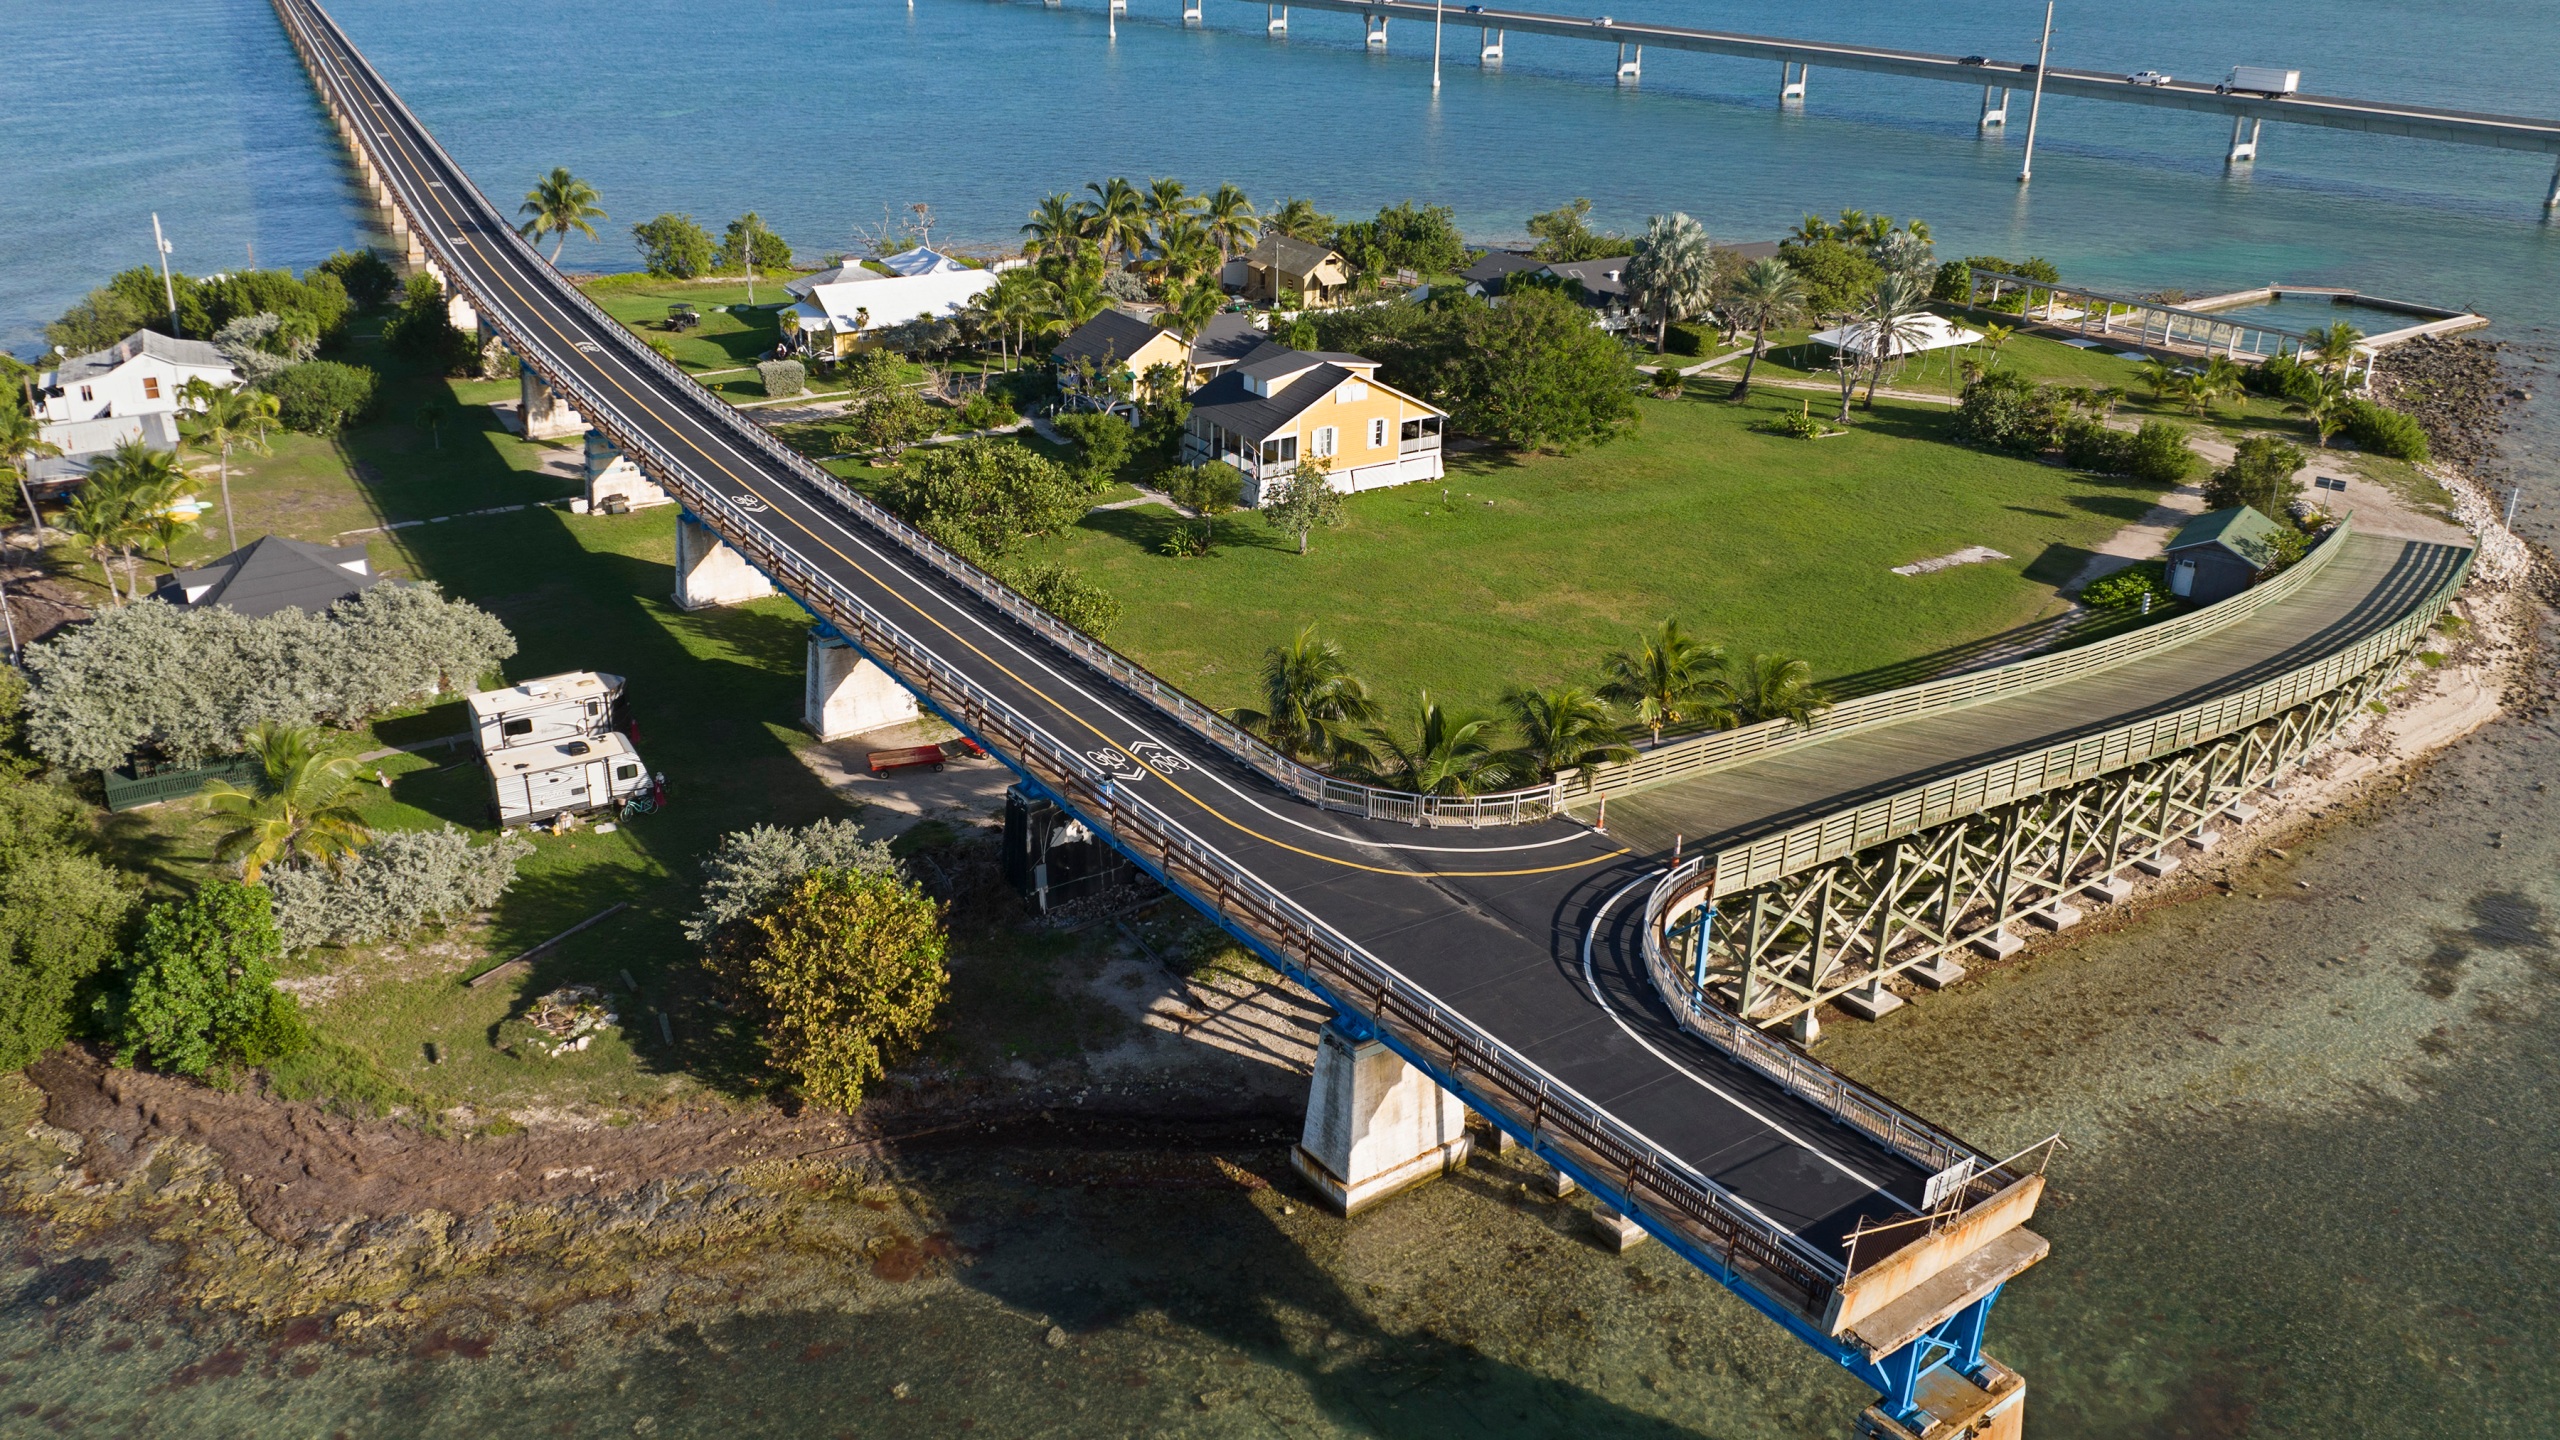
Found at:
<point>1777,951</point>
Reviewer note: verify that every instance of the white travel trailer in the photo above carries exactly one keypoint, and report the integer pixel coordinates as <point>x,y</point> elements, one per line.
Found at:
<point>537,712</point>
<point>533,783</point>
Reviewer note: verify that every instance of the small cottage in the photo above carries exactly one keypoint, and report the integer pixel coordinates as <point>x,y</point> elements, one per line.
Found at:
<point>273,573</point>
<point>2217,555</point>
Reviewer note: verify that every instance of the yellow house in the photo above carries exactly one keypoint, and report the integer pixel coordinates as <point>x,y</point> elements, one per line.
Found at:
<point>1283,271</point>
<point>1279,406</point>
<point>1116,342</point>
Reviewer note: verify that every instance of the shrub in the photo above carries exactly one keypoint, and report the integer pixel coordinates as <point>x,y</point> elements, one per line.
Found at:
<point>987,411</point>
<point>2260,476</point>
<point>748,238</point>
<point>2282,377</point>
<point>199,991</point>
<point>403,880</point>
<point>2380,430</point>
<point>369,279</point>
<point>1535,374</point>
<point>1798,424</point>
<point>322,397</point>
<point>1189,541</point>
<point>2126,588</point>
<point>61,913</point>
<point>983,496</point>
<point>1210,489</point>
<point>2001,410</point>
<point>1064,593</point>
<point>1104,443</point>
<point>890,421</point>
<point>1950,282</point>
<point>1837,277</point>
<point>752,868</point>
<point>844,972</point>
<point>783,377</point>
<point>423,327</point>
<point>2089,445</point>
<point>673,246</point>
<point>2157,453</point>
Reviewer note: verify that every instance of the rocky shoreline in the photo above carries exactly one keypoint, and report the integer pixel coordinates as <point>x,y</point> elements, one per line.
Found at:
<point>2458,389</point>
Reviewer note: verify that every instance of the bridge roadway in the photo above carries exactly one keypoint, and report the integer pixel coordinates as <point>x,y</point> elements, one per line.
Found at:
<point>1493,925</point>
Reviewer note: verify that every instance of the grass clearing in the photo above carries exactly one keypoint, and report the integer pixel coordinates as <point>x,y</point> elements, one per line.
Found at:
<point>1526,571</point>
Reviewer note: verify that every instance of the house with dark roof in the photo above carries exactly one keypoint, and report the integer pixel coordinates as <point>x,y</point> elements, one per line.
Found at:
<point>1278,408</point>
<point>1495,267</point>
<point>1113,344</point>
<point>1225,342</point>
<point>271,574</point>
<point>1283,270</point>
<point>2221,553</point>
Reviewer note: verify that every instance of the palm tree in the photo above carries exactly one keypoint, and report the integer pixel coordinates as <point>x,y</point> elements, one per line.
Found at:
<point>1118,215</point>
<point>1443,754</point>
<point>1813,231</point>
<point>103,516</point>
<point>2337,348</point>
<point>1996,335</point>
<point>1076,299</point>
<point>1190,305</point>
<point>1778,687</point>
<point>125,497</point>
<point>1299,219</point>
<point>21,441</point>
<point>2325,406</point>
<point>1894,321</point>
<point>1672,276</point>
<point>1018,301</point>
<point>1563,728</point>
<point>1058,226</point>
<point>1166,200</point>
<point>224,419</point>
<point>2219,382</point>
<point>1669,678</point>
<point>557,204</point>
<point>1310,701</point>
<point>297,808</point>
<point>1231,224</point>
<point>1184,250</point>
<point>1767,294</point>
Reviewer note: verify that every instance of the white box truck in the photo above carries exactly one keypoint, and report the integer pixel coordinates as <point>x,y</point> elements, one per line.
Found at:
<point>533,783</point>
<point>2264,80</point>
<point>537,712</point>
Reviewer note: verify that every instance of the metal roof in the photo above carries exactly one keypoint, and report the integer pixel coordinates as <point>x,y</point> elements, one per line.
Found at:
<point>2241,530</point>
<point>1107,339</point>
<point>270,574</point>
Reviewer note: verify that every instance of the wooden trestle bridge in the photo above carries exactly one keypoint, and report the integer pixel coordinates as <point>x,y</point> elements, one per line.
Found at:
<point>1490,949</point>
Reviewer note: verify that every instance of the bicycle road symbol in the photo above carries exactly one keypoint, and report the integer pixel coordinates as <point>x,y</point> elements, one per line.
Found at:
<point>747,502</point>
<point>1157,755</point>
<point>1117,765</point>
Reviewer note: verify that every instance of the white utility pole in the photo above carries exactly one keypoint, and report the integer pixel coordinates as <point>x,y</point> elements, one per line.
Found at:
<point>1437,7</point>
<point>168,287</point>
<point>2035,106</point>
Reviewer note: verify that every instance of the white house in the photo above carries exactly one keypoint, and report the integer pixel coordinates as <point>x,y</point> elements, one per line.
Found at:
<point>835,314</point>
<point>140,375</point>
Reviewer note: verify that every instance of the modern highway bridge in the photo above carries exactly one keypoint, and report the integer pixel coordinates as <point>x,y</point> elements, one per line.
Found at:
<point>1498,949</point>
<point>1798,58</point>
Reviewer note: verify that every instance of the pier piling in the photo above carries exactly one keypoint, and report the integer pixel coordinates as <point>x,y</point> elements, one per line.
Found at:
<point>1630,68</point>
<point>2243,150</point>
<point>1791,78</point>
<point>1275,19</point>
<point>1489,52</point>
<point>1995,117</point>
<point>1377,31</point>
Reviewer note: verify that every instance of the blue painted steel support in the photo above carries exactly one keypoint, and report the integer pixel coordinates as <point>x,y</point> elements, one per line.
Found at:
<point>1703,928</point>
<point>1955,1343</point>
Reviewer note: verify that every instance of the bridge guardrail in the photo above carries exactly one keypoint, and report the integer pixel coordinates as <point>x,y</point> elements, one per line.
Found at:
<point>1778,1261</point>
<point>1730,747</point>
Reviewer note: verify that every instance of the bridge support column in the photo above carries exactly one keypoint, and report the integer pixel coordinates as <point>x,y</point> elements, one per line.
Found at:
<point>2551,197</point>
<point>847,694</point>
<point>1616,1230</point>
<point>546,415</point>
<point>1375,1125</point>
<point>2243,149</point>
<point>1275,19</point>
<point>1489,52</point>
<point>1791,79</point>
<point>1190,12</point>
<point>1995,117</point>
<point>614,484</point>
<point>1630,65</point>
<point>710,573</point>
<point>1377,31</point>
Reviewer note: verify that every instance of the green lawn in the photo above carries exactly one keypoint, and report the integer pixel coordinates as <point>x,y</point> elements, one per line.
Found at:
<point>1528,571</point>
<point>725,338</point>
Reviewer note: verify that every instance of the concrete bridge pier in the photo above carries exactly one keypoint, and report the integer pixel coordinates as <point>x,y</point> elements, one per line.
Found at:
<point>1377,31</point>
<point>1190,12</point>
<point>1275,19</point>
<point>614,483</point>
<point>709,573</point>
<point>1630,65</point>
<point>1791,80</point>
<point>1489,52</point>
<point>1995,117</point>
<point>2551,197</point>
<point>2243,150</point>
<point>1375,1125</point>
<point>848,695</point>
<point>546,415</point>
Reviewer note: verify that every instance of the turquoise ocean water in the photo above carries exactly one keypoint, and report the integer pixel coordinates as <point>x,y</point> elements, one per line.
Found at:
<point>2316,1152</point>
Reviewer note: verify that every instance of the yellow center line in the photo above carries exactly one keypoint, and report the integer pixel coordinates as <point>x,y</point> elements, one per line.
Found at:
<point>499,272</point>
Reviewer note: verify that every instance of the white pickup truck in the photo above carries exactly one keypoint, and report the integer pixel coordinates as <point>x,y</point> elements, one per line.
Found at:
<point>2264,80</point>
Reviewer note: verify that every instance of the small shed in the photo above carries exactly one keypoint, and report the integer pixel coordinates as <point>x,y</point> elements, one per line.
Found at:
<point>2219,554</point>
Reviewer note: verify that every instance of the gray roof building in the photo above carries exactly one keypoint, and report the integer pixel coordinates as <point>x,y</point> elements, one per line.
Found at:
<point>1289,253</point>
<point>1228,340</point>
<point>1111,338</point>
<point>1496,266</point>
<point>271,574</point>
<point>141,342</point>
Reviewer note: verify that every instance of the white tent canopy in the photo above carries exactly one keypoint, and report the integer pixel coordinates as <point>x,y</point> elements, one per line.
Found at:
<point>1921,332</point>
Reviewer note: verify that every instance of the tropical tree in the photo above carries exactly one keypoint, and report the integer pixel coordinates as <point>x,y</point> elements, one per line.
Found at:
<point>298,807</point>
<point>1117,214</point>
<point>1167,200</point>
<point>1894,320</point>
<point>102,516</point>
<point>1076,299</point>
<point>1306,499</point>
<point>1441,753</point>
<point>21,441</point>
<point>1995,335</point>
<point>1231,221</point>
<point>1669,678</point>
<point>2167,382</point>
<point>2218,382</point>
<point>2336,349</point>
<point>1777,687</point>
<point>1058,227</point>
<point>2325,403</point>
<point>1563,727</point>
<point>1672,276</point>
<point>1310,701</point>
<point>557,204</point>
<point>1190,305</point>
<point>1766,294</point>
<point>842,974</point>
<point>224,419</point>
<point>1184,250</point>
<point>1299,219</point>
<point>123,502</point>
<point>1018,302</point>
